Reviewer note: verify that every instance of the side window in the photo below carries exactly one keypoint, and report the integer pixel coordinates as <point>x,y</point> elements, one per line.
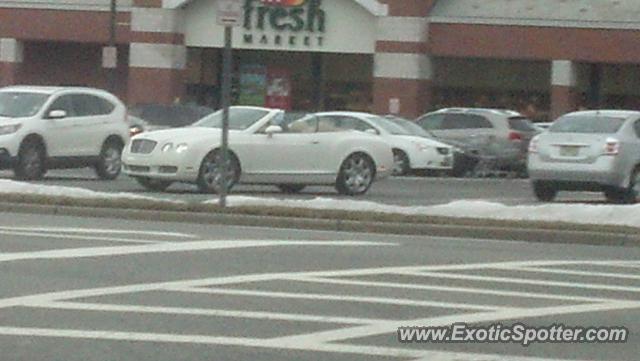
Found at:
<point>477,122</point>
<point>431,122</point>
<point>88,105</point>
<point>636,127</point>
<point>453,121</point>
<point>104,106</point>
<point>328,124</point>
<point>64,102</point>
<point>341,124</point>
<point>83,104</point>
<point>304,125</point>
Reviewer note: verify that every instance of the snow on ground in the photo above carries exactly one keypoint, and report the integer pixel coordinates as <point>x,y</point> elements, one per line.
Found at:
<point>623,215</point>
<point>13,187</point>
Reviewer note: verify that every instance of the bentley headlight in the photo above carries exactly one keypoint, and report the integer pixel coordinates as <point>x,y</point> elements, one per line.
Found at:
<point>182,147</point>
<point>167,147</point>
<point>9,129</point>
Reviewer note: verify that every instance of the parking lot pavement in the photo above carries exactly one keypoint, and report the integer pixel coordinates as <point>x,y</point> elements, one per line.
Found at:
<point>404,191</point>
<point>145,291</point>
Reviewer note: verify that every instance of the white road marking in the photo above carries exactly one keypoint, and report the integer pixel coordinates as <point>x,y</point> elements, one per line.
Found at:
<point>322,341</point>
<point>82,306</point>
<point>76,237</point>
<point>524,281</point>
<point>576,273</point>
<point>622,265</point>
<point>99,231</point>
<point>170,248</point>
<point>258,343</point>
<point>344,334</point>
<point>472,290</point>
<point>343,298</point>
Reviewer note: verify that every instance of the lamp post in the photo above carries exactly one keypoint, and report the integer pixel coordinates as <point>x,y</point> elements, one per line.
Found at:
<point>229,15</point>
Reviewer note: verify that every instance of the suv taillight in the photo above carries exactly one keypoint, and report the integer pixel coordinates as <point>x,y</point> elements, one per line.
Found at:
<point>611,147</point>
<point>515,137</point>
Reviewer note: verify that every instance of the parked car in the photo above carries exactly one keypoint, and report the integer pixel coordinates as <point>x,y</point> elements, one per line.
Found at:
<point>588,151</point>
<point>464,157</point>
<point>410,152</point>
<point>264,149</point>
<point>543,126</point>
<point>501,136</point>
<point>149,117</point>
<point>43,128</point>
<point>138,125</point>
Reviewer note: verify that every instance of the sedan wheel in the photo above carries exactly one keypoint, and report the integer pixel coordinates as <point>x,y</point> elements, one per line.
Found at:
<point>628,195</point>
<point>400,163</point>
<point>544,191</point>
<point>356,175</point>
<point>210,175</point>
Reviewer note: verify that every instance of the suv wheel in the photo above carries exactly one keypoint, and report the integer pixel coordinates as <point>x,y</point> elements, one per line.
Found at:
<point>31,161</point>
<point>110,164</point>
<point>544,191</point>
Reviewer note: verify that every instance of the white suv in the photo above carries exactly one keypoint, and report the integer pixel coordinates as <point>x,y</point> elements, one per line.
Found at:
<point>61,127</point>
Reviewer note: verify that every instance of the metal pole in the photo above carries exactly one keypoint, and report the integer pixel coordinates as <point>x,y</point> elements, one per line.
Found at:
<point>226,103</point>
<point>112,42</point>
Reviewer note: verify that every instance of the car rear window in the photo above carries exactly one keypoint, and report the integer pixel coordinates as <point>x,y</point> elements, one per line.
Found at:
<point>521,124</point>
<point>587,124</point>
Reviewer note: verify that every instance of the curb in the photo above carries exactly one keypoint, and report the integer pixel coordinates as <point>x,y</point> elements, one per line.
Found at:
<point>625,239</point>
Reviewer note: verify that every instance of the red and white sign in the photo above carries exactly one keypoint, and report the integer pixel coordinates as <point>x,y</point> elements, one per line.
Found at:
<point>230,12</point>
<point>278,88</point>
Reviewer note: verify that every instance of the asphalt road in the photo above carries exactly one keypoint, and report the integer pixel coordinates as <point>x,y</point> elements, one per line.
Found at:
<point>405,191</point>
<point>101,289</point>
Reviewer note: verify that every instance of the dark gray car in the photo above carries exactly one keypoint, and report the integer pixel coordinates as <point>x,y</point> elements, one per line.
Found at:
<point>502,136</point>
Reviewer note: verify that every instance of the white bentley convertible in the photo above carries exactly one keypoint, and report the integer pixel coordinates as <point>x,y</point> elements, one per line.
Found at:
<point>263,150</point>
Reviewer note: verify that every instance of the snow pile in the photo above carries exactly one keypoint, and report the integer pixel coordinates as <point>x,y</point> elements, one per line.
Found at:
<point>13,187</point>
<point>571,213</point>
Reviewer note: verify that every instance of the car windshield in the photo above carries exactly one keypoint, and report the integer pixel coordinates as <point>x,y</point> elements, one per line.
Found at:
<point>239,118</point>
<point>587,124</point>
<point>388,126</point>
<point>21,104</point>
<point>410,126</point>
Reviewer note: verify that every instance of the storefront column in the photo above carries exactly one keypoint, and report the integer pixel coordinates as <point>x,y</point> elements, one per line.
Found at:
<point>157,56</point>
<point>11,56</point>
<point>564,98</point>
<point>402,67</point>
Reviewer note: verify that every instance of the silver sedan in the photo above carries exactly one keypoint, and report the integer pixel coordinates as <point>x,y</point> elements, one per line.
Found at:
<point>588,151</point>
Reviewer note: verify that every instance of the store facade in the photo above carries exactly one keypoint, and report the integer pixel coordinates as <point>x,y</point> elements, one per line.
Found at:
<point>401,56</point>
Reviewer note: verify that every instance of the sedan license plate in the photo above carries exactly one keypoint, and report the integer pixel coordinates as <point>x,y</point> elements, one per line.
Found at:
<point>569,151</point>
